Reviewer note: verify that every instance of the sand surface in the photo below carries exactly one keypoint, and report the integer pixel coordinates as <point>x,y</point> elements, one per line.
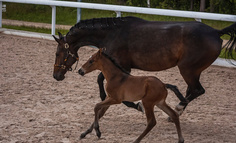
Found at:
<point>34,107</point>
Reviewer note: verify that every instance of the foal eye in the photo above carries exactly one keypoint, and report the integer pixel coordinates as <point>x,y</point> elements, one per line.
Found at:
<point>91,61</point>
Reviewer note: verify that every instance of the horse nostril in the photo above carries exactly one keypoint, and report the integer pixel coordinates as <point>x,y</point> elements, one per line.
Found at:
<point>81,72</point>
<point>61,77</point>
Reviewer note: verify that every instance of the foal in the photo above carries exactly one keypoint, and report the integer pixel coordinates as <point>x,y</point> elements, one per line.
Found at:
<point>121,86</point>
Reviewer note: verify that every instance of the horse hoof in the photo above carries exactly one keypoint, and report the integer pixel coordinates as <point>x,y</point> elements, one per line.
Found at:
<point>179,109</point>
<point>140,107</point>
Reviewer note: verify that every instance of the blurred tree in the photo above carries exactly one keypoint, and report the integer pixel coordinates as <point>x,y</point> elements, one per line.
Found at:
<point>202,5</point>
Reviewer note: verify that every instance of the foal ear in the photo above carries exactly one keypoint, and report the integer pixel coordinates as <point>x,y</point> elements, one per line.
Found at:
<point>100,51</point>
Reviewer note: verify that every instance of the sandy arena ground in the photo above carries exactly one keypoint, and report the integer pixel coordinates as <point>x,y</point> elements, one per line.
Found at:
<point>34,107</point>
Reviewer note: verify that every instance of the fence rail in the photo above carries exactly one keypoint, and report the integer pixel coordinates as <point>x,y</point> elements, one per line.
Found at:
<point>118,9</point>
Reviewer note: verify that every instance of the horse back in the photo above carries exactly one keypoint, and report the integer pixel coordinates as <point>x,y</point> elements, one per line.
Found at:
<point>155,46</point>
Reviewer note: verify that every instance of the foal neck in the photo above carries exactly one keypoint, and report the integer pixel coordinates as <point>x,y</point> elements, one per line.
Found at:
<point>110,69</point>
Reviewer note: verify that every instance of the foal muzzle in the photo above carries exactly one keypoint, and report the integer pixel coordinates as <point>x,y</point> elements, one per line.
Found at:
<point>81,72</point>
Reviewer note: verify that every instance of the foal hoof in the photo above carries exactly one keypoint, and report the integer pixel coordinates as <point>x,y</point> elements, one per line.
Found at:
<point>140,107</point>
<point>83,135</point>
<point>98,134</point>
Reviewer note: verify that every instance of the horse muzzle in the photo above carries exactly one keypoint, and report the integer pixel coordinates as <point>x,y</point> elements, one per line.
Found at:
<point>58,77</point>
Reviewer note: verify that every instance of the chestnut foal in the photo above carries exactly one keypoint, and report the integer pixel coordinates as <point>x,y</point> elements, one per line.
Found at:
<point>121,86</point>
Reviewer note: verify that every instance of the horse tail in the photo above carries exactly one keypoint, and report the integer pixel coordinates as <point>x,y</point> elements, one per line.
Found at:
<point>230,46</point>
<point>177,92</point>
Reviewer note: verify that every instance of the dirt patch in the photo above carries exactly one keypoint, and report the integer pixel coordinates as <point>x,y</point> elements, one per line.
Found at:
<point>34,107</point>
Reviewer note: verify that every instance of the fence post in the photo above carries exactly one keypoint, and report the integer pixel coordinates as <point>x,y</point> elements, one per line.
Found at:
<point>118,13</point>
<point>198,19</point>
<point>53,20</point>
<point>0,14</point>
<point>78,13</point>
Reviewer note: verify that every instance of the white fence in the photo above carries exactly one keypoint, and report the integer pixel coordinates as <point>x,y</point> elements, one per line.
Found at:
<point>118,9</point>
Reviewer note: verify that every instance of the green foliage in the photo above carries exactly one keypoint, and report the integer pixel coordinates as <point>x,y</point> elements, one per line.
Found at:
<point>219,6</point>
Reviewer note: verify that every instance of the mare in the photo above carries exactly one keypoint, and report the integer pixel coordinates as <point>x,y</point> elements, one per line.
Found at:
<point>149,46</point>
<point>121,86</point>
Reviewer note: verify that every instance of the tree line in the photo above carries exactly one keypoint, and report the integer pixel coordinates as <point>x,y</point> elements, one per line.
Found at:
<point>213,6</point>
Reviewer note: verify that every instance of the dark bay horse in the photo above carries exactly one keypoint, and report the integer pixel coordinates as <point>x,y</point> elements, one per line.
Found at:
<point>149,46</point>
<point>121,86</point>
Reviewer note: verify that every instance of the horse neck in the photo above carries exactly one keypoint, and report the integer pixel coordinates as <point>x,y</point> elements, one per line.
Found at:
<point>90,38</point>
<point>111,71</point>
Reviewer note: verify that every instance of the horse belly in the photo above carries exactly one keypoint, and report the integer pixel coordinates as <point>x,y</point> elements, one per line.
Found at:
<point>155,60</point>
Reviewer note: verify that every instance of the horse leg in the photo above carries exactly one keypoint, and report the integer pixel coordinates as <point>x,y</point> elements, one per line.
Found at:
<point>137,106</point>
<point>151,121</point>
<point>101,113</point>
<point>174,116</point>
<point>194,90</point>
<point>100,80</point>
<point>103,95</point>
<point>182,105</point>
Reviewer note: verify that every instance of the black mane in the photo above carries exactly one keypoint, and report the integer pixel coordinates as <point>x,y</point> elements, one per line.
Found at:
<point>101,23</point>
<point>115,63</point>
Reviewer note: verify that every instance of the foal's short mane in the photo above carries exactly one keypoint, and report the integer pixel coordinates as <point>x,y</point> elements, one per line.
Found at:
<point>115,63</point>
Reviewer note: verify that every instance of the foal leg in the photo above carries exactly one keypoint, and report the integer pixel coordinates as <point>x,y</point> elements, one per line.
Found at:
<point>101,106</point>
<point>99,110</point>
<point>151,121</point>
<point>174,116</point>
<point>103,95</point>
<point>101,113</point>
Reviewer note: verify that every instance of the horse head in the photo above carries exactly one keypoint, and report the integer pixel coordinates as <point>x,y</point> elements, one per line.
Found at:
<point>66,56</point>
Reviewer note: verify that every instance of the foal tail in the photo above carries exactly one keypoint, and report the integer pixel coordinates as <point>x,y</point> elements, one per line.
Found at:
<point>177,92</point>
<point>230,46</point>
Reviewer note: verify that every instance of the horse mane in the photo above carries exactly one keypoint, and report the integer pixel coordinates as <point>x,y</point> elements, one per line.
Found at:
<point>115,63</point>
<point>101,23</point>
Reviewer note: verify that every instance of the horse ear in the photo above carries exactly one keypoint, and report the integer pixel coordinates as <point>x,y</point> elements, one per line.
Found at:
<point>58,40</point>
<point>60,35</point>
